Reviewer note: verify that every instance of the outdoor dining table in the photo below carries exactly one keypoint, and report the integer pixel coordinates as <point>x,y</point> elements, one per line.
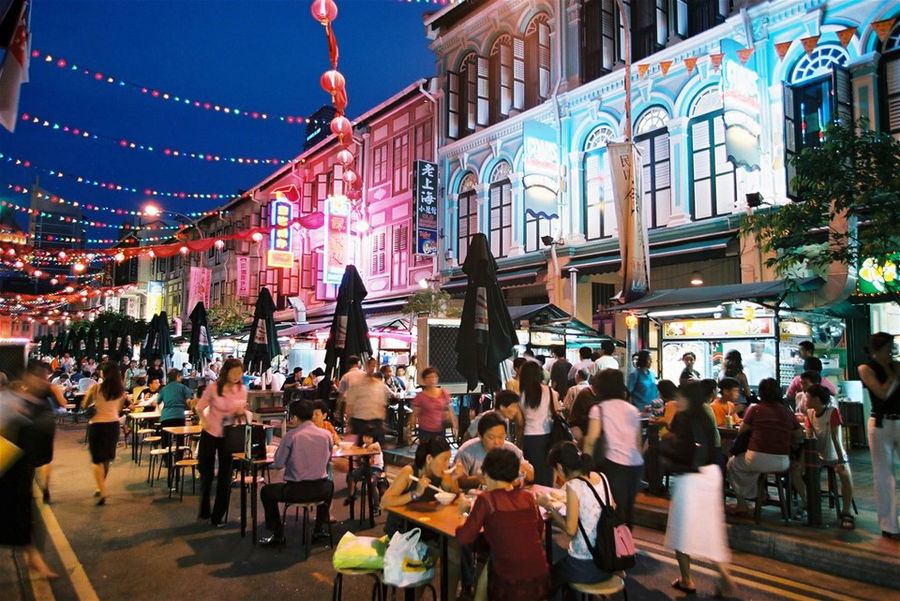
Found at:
<point>175,431</point>
<point>350,453</point>
<point>139,417</point>
<point>443,520</point>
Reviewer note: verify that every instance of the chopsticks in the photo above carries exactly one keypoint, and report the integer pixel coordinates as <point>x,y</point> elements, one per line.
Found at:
<point>414,479</point>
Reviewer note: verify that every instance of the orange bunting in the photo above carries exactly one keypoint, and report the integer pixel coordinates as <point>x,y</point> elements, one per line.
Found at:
<point>744,54</point>
<point>664,66</point>
<point>716,60</point>
<point>809,44</point>
<point>845,35</point>
<point>883,28</point>
<point>642,70</point>
<point>781,49</point>
<point>690,63</point>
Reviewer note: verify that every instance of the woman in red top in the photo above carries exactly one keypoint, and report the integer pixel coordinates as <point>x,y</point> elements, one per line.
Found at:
<point>431,407</point>
<point>513,528</point>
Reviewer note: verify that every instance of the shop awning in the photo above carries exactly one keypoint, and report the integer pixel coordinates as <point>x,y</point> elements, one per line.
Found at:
<point>506,276</point>
<point>609,261</point>
<point>303,329</point>
<point>547,317</point>
<point>701,295</point>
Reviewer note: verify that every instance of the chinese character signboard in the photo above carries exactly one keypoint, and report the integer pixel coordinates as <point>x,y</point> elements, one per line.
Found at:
<point>154,297</point>
<point>337,239</point>
<point>243,276</point>
<point>281,211</point>
<point>425,207</point>
<point>720,328</point>
<point>633,243</point>
<point>540,165</point>
<point>199,285</point>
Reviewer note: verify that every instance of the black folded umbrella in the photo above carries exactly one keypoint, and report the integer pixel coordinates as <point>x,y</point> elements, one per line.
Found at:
<point>149,343</point>
<point>46,344</point>
<point>262,344</point>
<point>59,346</point>
<point>349,333</point>
<point>164,347</point>
<point>200,347</point>
<point>90,343</point>
<point>487,336</point>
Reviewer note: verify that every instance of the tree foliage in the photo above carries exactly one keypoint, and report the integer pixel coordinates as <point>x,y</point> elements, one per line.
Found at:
<point>226,318</point>
<point>854,170</point>
<point>434,303</point>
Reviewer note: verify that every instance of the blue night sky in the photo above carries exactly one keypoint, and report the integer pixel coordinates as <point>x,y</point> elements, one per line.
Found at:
<point>258,55</point>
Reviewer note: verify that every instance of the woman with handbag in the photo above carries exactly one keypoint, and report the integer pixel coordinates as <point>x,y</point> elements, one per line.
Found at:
<point>538,404</point>
<point>696,524</point>
<point>106,398</point>
<point>221,405</point>
<point>614,441</point>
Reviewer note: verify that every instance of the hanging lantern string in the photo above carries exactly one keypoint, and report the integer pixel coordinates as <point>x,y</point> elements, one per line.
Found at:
<point>156,94</point>
<point>83,134</point>
<point>92,207</point>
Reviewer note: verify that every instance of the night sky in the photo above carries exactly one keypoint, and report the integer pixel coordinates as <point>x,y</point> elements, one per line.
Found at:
<point>258,55</point>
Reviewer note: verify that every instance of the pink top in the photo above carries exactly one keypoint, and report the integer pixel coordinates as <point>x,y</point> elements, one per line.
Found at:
<point>222,409</point>
<point>431,410</point>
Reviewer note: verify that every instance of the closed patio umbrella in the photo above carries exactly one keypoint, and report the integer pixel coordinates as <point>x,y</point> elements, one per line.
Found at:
<point>349,333</point>
<point>164,347</point>
<point>487,336</point>
<point>46,344</point>
<point>200,347</point>
<point>90,343</point>
<point>150,339</point>
<point>59,346</point>
<point>262,344</point>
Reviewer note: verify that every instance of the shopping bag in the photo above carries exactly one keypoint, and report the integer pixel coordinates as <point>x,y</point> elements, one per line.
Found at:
<point>359,552</point>
<point>407,561</point>
<point>9,454</point>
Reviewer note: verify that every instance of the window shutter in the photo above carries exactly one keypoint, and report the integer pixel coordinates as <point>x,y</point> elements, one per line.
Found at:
<point>543,34</point>
<point>307,201</point>
<point>518,72</point>
<point>892,89</point>
<point>470,94</point>
<point>452,104</point>
<point>482,91</point>
<point>842,94</point>
<point>506,79</point>
<point>790,139</point>
<point>338,179</point>
<point>306,271</point>
<point>532,71</point>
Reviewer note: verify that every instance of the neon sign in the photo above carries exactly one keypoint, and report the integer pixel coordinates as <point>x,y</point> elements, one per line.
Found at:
<point>281,211</point>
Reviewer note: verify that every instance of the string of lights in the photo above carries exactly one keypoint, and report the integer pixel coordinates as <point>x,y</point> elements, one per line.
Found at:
<point>86,222</point>
<point>92,207</point>
<point>83,134</point>
<point>157,94</point>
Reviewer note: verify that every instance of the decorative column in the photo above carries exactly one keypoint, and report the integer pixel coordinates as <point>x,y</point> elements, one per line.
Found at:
<point>517,195</point>
<point>680,174</point>
<point>573,227</point>
<point>864,72</point>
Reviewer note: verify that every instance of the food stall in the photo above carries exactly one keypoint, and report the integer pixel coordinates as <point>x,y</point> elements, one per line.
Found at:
<point>543,326</point>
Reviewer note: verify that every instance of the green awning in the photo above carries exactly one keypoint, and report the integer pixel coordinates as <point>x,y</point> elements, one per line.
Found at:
<point>610,261</point>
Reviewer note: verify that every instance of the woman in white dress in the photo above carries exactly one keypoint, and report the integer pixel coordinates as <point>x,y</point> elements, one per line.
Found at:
<point>696,525</point>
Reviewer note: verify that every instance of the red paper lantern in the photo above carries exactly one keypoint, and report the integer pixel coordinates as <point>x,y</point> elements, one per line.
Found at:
<point>341,127</point>
<point>350,176</point>
<point>332,81</point>
<point>354,194</point>
<point>345,158</point>
<point>324,11</point>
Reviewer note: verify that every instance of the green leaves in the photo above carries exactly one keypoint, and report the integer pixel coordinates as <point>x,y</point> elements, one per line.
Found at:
<point>227,318</point>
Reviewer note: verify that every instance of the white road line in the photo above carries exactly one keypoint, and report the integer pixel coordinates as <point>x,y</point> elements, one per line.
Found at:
<point>72,566</point>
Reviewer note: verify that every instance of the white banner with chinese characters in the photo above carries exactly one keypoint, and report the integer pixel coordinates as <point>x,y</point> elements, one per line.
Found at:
<point>243,277</point>
<point>198,288</point>
<point>633,243</point>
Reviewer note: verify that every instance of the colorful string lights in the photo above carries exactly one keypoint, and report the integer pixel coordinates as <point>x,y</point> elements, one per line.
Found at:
<point>83,134</point>
<point>150,92</point>
<point>92,207</point>
<point>86,222</point>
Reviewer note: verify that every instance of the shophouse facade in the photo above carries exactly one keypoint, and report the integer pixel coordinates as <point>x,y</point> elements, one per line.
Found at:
<point>516,72</point>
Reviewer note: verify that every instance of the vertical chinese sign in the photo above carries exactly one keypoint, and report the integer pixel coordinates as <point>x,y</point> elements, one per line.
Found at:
<point>243,276</point>
<point>425,207</point>
<point>337,239</point>
<point>281,212</point>
<point>633,242</point>
<point>199,285</point>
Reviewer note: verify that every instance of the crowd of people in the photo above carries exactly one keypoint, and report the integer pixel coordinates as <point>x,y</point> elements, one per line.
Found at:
<point>505,448</point>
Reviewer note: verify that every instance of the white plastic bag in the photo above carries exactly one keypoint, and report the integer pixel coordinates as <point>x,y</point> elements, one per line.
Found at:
<point>407,561</point>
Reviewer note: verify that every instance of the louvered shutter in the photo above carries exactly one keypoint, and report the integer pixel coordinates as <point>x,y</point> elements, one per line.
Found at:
<point>506,78</point>
<point>518,72</point>
<point>790,139</point>
<point>470,97</point>
<point>892,90</point>
<point>543,33</point>
<point>842,95</point>
<point>482,91</point>
<point>453,108</point>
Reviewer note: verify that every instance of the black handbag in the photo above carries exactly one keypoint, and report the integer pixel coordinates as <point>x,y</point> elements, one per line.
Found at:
<point>559,427</point>
<point>234,436</point>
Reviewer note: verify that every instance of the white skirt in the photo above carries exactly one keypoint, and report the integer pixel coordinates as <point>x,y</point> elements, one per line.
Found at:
<point>696,524</point>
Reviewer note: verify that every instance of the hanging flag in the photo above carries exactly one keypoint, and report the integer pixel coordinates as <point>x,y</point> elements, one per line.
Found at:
<point>642,70</point>
<point>690,63</point>
<point>744,54</point>
<point>664,67</point>
<point>845,35</point>
<point>809,44</point>
<point>15,64</point>
<point>633,243</point>
<point>883,28</point>
<point>716,60</point>
<point>781,49</point>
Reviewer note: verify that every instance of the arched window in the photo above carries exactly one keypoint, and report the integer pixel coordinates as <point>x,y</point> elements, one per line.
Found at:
<point>467,96</point>
<point>500,77</point>
<point>500,210</point>
<point>537,61</point>
<point>713,183</point>
<point>820,92</point>
<point>652,139</point>
<point>467,215</point>
<point>599,210</point>
<point>889,78</point>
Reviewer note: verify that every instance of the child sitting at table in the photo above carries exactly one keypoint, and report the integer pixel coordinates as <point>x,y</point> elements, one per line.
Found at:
<point>376,463</point>
<point>514,529</point>
<point>723,405</point>
<point>824,420</point>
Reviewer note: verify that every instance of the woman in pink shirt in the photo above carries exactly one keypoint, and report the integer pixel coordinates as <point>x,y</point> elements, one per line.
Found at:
<point>430,407</point>
<point>220,405</point>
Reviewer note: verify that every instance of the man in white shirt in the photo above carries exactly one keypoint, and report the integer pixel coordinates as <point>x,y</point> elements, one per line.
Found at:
<point>585,363</point>
<point>607,359</point>
<point>353,375</point>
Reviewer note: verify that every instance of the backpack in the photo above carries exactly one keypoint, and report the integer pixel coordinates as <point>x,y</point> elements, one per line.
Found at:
<point>614,548</point>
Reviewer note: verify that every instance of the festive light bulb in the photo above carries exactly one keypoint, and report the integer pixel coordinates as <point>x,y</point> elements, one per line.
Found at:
<point>183,250</point>
<point>78,267</point>
<point>18,264</point>
<point>152,210</point>
<point>69,290</point>
<point>257,237</point>
<point>37,273</point>
<point>62,255</point>
<point>54,281</point>
<point>150,253</point>
<point>324,11</point>
<point>219,244</point>
<point>119,257</point>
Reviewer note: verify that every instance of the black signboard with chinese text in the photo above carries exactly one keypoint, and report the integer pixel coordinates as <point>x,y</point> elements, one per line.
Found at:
<point>425,207</point>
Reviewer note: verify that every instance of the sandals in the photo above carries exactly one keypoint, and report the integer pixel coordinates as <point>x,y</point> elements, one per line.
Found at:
<point>689,590</point>
<point>847,521</point>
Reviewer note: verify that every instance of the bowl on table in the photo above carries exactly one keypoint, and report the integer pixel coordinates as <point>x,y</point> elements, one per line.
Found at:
<point>445,498</point>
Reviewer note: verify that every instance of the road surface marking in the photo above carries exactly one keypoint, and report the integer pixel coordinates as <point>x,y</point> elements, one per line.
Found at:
<point>818,592</point>
<point>40,587</point>
<point>72,566</point>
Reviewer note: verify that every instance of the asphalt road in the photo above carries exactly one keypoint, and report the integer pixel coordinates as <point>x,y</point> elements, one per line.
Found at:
<point>144,546</point>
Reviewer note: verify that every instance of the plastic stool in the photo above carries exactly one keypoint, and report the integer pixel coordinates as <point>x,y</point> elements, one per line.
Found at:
<point>307,507</point>
<point>603,589</point>
<point>337,588</point>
